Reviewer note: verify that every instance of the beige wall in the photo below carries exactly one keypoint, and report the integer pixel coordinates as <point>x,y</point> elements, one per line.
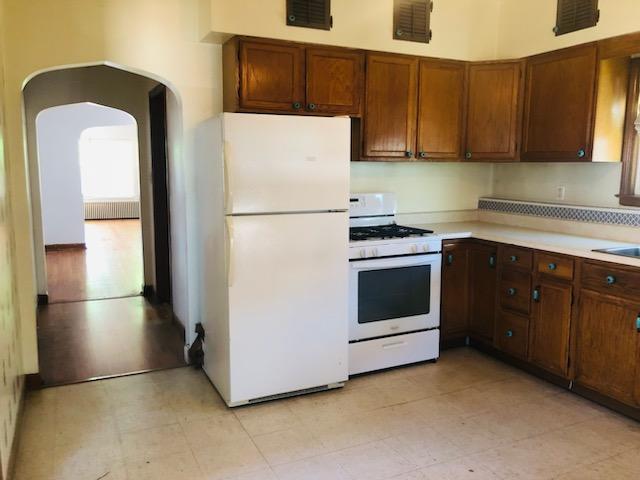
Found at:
<point>11,385</point>
<point>156,39</point>
<point>525,26</point>
<point>462,29</point>
<point>105,86</point>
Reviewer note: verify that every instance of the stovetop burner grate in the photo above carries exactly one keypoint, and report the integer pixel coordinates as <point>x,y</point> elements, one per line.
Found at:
<point>385,231</point>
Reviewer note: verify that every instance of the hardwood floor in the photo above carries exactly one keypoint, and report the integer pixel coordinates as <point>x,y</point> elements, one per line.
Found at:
<point>111,266</point>
<point>78,341</point>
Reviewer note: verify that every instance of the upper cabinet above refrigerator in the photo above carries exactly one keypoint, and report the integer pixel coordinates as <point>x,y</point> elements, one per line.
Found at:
<point>279,163</point>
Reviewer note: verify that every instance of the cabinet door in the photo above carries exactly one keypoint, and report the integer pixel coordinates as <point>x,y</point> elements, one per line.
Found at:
<point>455,292</point>
<point>334,81</point>
<point>551,319</point>
<point>607,346</point>
<point>390,107</point>
<point>483,284</point>
<point>441,109</point>
<point>559,105</point>
<point>493,112</point>
<point>271,76</point>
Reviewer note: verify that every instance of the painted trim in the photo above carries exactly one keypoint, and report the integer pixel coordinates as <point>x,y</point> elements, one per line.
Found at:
<point>603,215</point>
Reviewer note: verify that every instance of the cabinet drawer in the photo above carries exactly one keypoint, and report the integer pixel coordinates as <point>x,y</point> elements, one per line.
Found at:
<point>554,265</point>
<point>515,291</point>
<point>517,257</point>
<point>612,280</point>
<point>512,334</point>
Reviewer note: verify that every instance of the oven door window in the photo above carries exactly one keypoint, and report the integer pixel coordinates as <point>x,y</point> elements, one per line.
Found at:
<point>393,293</point>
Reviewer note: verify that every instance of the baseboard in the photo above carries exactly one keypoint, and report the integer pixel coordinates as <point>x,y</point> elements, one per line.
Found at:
<point>605,401</point>
<point>33,381</point>
<point>43,299</point>
<point>13,454</point>
<point>65,246</point>
<point>149,292</point>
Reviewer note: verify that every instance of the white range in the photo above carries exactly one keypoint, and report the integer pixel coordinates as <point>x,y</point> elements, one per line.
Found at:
<point>394,287</point>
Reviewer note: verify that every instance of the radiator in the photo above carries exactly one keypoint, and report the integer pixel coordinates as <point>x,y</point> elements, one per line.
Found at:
<point>111,210</point>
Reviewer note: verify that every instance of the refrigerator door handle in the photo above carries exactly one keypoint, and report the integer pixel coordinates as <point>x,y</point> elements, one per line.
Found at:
<point>228,179</point>
<point>230,242</point>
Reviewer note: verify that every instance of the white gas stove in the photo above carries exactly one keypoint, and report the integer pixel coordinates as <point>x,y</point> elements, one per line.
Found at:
<point>394,301</point>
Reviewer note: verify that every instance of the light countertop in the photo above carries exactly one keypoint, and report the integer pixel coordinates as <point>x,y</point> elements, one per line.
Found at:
<point>538,239</point>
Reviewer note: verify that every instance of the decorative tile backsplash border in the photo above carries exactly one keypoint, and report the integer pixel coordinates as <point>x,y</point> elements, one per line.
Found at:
<point>610,216</point>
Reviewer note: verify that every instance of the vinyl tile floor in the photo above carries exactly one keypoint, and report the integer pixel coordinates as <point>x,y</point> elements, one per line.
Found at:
<point>466,417</point>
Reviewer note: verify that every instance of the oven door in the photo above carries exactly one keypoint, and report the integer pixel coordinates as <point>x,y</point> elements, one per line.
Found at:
<point>388,296</point>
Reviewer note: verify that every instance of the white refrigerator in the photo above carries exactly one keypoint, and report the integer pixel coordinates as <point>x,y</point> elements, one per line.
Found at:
<point>276,284</point>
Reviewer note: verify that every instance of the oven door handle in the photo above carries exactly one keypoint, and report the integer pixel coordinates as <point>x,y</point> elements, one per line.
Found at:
<point>386,263</point>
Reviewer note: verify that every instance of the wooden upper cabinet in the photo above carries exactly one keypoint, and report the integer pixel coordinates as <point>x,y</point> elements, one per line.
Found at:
<point>607,347</point>
<point>441,109</point>
<point>335,79</point>
<point>559,105</point>
<point>493,110</point>
<point>271,76</point>
<point>390,107</point>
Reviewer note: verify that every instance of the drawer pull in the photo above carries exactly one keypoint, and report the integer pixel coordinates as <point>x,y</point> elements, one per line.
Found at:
<point>394,345</point>
<point>450,259</point>
<point>513,258</point>
<point>509,333</point>
<point>610,280</point>
<point>536,295</point>
<point>492,261</point>
<point>511,292</point>
<point>552,266</point>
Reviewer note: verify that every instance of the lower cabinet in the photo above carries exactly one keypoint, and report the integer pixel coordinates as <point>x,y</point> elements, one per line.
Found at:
<point>550,326</point>
<point>607,346</point>
<point>512,334</point>
<point>454,318</point>
<point>483,279</point>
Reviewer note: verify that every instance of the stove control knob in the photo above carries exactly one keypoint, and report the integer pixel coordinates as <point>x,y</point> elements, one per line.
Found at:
<point>363,253</point>
<point>374,252</point>
<point>425,247</point>
<point>414,249</point>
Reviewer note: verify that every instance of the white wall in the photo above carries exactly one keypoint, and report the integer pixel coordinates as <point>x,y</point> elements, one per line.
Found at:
<point>58,131</point>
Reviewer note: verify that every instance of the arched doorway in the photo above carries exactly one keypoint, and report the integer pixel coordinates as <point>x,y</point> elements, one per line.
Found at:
<point>91,338</point>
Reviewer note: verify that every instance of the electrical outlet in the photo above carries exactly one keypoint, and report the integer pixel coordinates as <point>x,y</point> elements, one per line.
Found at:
<point>561,192</point>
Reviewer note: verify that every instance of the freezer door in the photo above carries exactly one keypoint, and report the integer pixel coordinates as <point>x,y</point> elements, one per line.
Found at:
<point>280,163</point>
<point>288,308</point>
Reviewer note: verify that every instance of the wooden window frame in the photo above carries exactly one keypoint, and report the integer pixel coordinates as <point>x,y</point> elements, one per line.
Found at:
<point>631,144</point>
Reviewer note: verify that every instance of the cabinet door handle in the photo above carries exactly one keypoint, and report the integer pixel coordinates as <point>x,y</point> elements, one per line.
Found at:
<point>536,294</point>
<point>311,106</point>
<point>552,266</point>
<point>467,155</point>
<point>511,291</point>
<point>422,154</point>
<point>492,261</point>
<point>450,259</point>
<point>296,105</point>
<point>513,258</point>
<point>581,153</point>
<point>638,323</point>
<point>610,280</point>
<point>509,333</point>
<point>408,154</point>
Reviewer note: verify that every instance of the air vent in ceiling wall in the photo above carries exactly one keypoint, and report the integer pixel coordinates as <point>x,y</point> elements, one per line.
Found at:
<point>412,20</point>
<point>575,15</point>
<point>309,13</point>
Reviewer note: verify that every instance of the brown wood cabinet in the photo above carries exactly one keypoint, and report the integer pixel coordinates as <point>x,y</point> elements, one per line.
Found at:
<point>454,319</point>
<point>493,110</point>
<point>441,109</point>
<point>483,283</point>
<point>550,325</point>
<point>559,105</point>
<point>512,333</point>
<point>335,81</point>
<point>390,106</point>
<point>607,346</point>
<point>285,77</point>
